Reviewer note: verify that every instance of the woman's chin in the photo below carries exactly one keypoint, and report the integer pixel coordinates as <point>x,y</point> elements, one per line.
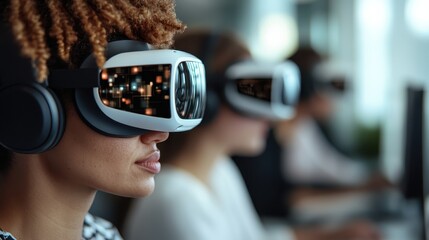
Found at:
<point>144,191</point>
<point>139,191</point>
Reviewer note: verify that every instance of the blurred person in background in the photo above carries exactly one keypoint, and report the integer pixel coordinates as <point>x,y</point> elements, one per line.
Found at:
<point>309,157</point>
<point>299,161</point>
<point>200,193</point>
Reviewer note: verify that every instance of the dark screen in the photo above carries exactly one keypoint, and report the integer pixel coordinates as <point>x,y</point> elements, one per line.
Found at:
<point>139,89</point>
<point>413,152</point>
<point>413,178</point>
<point>256,88</point>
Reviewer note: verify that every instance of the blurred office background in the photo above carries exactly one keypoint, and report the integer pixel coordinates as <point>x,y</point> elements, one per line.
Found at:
<point>379,46</point>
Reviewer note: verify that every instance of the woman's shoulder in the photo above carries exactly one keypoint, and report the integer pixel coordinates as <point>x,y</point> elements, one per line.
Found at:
<point>99,228</point>
<point>93,228</point>
<point>6,236</point>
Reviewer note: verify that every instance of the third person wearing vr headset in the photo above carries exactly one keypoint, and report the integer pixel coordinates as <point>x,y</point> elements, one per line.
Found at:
<point>200,193</point>
<point>84,101</point>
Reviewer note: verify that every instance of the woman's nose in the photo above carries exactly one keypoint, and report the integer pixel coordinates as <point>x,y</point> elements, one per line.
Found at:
<point>154,137</point>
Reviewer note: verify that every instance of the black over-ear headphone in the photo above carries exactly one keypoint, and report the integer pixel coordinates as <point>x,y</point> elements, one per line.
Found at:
<point>32,118</point>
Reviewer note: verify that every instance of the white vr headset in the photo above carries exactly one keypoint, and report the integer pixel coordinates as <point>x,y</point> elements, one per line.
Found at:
<point>263,89</point>
<point>159,90</point>
<point>136,91</point>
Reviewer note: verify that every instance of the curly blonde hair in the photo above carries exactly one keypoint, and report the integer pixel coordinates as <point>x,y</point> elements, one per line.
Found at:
<point>48,29</point>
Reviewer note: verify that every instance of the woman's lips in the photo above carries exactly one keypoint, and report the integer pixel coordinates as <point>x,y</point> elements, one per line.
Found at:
<point>151,163</point>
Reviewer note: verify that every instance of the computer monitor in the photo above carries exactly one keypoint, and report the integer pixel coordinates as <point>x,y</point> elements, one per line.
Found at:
<point>412,182</point>
<point>426,166</point>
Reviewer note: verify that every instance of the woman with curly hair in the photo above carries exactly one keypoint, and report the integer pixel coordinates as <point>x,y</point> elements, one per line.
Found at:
<point>47,194</point>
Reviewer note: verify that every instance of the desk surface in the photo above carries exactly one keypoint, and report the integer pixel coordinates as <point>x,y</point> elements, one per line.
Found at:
<point>396,218</point>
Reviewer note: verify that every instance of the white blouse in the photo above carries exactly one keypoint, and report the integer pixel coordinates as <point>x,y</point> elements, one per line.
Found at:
<point>183,208</point>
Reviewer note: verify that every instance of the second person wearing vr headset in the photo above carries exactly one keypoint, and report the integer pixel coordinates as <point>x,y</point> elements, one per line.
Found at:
<point>73,123</point>
<point>200,193</point>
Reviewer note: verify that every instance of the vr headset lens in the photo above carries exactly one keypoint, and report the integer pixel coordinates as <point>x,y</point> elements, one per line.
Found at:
<point>145,89</point>
<point>189,90</point>
<point>256,88</point>
<point>139,89</point>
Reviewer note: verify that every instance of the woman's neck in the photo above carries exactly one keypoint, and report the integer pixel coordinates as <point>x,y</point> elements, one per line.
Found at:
<point>35,205</point>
